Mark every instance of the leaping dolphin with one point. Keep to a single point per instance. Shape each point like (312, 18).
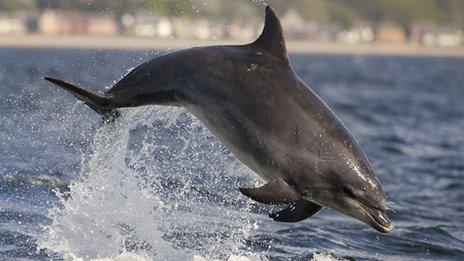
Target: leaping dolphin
(250, 98)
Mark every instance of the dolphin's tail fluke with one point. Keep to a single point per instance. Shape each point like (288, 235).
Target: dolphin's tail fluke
(100, 103)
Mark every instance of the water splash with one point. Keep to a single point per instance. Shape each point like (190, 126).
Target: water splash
(157, 184)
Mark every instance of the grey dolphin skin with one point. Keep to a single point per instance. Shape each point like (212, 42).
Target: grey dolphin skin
(250, 98)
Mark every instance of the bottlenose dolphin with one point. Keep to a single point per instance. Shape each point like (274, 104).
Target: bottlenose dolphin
(250, 98)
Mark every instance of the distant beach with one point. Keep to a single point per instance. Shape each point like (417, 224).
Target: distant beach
(298, 47)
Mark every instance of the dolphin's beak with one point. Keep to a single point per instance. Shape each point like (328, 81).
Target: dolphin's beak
(374, 217)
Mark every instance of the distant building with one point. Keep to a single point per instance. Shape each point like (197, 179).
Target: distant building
(28, 19)
(218, 31)
(100, 25)
(12, 26)
(49, 22)
(431, 35)
(72, 23)
(449, 37)
(145, 24)
(182, 28)
(127, 22)
(417, 30)
(148, 24)
(390, 33)
(202, 29)
(165, 28)
(355, 35)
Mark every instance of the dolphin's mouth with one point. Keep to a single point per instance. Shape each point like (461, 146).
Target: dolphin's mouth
(378, 219)
(373, 216)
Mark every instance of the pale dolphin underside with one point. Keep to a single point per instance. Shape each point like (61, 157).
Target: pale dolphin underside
(250, 98)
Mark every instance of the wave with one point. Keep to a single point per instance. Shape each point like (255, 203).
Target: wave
(157, 185)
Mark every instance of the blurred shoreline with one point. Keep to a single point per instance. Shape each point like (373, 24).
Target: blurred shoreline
(296, 47)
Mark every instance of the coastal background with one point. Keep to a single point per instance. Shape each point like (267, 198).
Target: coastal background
(411, 27)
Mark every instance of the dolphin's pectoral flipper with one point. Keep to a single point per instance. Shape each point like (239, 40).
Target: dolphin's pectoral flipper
(100, 103)
(298, 211)
(275, 192)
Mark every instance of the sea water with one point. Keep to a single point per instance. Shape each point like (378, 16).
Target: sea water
(156, 184)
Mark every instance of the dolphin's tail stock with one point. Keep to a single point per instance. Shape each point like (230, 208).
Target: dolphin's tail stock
(100, 103)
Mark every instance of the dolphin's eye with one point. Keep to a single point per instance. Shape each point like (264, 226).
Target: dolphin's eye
(349, 192)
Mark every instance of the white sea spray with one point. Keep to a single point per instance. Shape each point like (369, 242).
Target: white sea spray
(158, 185)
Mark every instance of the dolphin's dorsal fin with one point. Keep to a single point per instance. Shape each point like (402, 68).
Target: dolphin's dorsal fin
(272, 39)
